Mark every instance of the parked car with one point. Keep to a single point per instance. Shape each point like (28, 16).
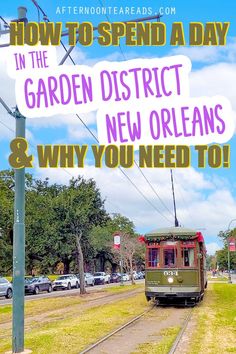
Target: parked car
(89, 279)
(115, 278)
(5, 288)
(66, 281)
(125, 277)
(101, 278)
(140, 275)
(135, 275)
(33, 285)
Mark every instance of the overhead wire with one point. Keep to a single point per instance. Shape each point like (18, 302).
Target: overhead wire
(46, 19)
(137, 165)
(6, 25)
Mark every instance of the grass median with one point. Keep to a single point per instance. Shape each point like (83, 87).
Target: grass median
(73, 328)
(163, 345)
(215, 330)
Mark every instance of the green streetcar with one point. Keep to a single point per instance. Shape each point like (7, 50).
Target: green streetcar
(175, 266)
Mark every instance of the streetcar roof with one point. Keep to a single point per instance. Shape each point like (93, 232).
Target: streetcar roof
(172, 231)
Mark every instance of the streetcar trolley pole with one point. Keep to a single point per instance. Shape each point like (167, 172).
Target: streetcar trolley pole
(229, 275)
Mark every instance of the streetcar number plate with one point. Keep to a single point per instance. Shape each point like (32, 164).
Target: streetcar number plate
(171, 272)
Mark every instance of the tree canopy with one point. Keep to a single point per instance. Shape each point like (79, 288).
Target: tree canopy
(67, 227)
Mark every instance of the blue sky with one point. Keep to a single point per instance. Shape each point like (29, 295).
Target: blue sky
(206, 198)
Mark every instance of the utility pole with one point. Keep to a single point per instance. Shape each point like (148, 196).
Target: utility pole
(121, 259)
(19, 249)
(18, 244)
(18, 233)
(19, 238)
(229, 275)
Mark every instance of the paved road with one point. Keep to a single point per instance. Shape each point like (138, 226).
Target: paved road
(60, 293)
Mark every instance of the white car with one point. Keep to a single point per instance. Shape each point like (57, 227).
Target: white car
(101, 278)
(5, 288)
(66, 282)
(125, 277)
(89, 279)
(135, 275)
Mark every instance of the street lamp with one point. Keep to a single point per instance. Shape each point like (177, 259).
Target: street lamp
(229, 275)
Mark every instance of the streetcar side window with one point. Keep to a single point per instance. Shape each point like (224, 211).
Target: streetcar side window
(154, 257)
(188, 257)
(170, 257)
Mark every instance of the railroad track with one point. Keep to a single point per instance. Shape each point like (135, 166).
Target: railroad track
(93, 346)
(181, 333)
(135, 319)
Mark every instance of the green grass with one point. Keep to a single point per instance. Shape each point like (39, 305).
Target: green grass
(123, 288)
(41, 306)
(5, 310)
(216, 321)
(163, 345)
(74, 331)
(218, 279)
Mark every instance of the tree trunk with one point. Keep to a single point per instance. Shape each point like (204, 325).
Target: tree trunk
(113, 267)
(80, 259)
(102, 263)
(131, 269)
(66, 263)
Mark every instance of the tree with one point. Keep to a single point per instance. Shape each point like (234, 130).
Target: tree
(81, 208)
(7, 185)
(42, 241)
(222, 255)
(222, 259)
(211, 262)
(130, 246)
(100, 240)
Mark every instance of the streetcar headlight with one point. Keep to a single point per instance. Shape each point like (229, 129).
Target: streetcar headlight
(170, 280)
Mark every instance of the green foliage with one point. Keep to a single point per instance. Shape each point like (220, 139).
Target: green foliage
(101, 240)
(222, 259)
(55, 215)
(222, 255)
(6, 220)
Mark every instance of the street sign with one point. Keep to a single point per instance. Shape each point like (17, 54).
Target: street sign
(117, 241)
(232, 244)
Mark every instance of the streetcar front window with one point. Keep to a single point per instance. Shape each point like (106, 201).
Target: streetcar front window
(170, 255)
(154, 257)
(188, 257)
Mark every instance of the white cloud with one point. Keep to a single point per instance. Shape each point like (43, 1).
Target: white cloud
(212, 248)
(210, 54)
(80, 133)
(201, 204)
(203, 201)
(216, 79)
(7, 124)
